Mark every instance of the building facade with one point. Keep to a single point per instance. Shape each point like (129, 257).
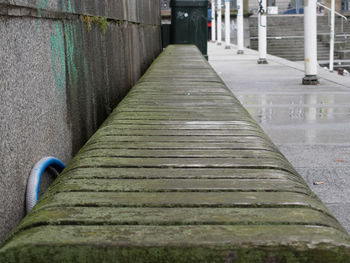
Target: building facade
(282, 6)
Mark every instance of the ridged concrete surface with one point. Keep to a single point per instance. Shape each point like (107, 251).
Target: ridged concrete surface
(179, 172)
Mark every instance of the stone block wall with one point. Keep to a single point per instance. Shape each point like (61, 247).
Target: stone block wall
(64, 65)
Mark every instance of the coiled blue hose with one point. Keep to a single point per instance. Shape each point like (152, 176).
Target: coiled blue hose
(32, 194)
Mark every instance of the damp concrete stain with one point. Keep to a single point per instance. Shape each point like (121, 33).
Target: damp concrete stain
(58, 58)
(75, 54)
(70, 32)
(74, 50)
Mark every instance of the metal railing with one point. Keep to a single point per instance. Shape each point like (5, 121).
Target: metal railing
(338, 14)
(326, 7)
(332, 31)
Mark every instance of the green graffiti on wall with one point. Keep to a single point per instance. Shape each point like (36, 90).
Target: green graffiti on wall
(70, 31)
(76, 61)
(58, 58)
(67, 7)
(41, 6)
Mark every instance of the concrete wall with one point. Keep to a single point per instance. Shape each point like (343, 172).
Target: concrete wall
(62, 71)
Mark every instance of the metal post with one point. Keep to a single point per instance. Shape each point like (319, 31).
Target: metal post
(262, 32)
(219, 23)
(331, 37)
(227, 24)
(310, 44)
(240, 28)
(213, 20)
(297, 7)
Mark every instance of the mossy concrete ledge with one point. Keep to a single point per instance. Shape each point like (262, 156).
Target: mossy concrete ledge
(179, 172)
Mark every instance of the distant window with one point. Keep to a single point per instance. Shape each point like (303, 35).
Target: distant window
(345, 4)
(233, 4)
(271, 2)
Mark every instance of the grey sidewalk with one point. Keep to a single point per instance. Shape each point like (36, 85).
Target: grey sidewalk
(310, 124)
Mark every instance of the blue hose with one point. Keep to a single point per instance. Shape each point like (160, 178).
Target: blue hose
(32, 195)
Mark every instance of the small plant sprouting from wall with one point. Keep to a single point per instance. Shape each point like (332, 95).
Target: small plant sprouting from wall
(101, 22)
(87, 20)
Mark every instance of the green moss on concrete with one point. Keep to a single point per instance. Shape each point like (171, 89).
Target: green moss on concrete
(174, 244)
(171, 255)
(181, 199)
(175, 216)
(87, 20)
(101, 22)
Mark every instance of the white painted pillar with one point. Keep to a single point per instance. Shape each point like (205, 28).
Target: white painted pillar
(262, 33)
(310, 43)
(213, 20)
(331, 37)
(227, 24)
(297, 6)
(240, 27)
(219, 23)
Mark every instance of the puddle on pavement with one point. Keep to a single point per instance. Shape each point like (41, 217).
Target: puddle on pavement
(296, 108)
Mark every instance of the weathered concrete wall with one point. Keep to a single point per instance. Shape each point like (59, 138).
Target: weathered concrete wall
(64, 65)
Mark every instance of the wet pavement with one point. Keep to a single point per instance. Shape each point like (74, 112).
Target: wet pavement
(309, 124)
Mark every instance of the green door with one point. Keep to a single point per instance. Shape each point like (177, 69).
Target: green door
(190, 23)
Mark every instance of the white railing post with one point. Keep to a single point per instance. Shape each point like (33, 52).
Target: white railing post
(332, 31)
(310, 43)
(331, 37)
(213, 20)
(219, 23)
(227, 24)
(240, 27)
(262, 32)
